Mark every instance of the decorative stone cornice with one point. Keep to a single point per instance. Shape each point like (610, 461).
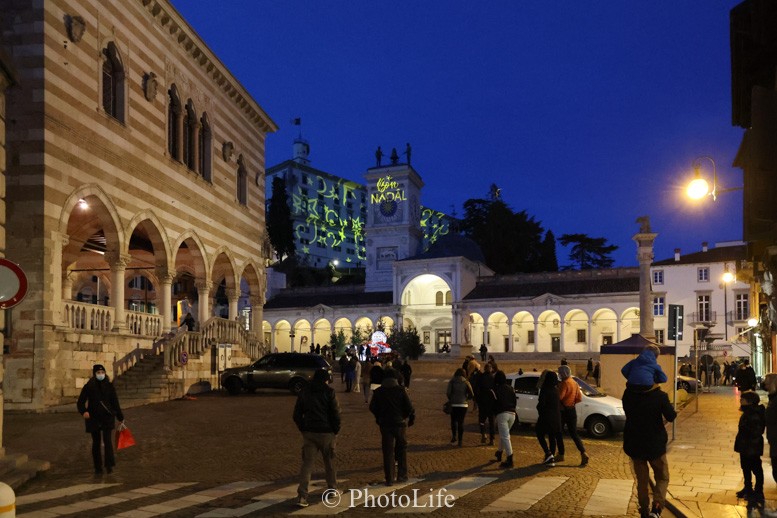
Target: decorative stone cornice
(168, 18)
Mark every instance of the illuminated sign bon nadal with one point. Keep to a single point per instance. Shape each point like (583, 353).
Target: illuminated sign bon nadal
(388, 190)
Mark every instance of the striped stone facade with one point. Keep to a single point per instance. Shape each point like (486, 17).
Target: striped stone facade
(132, 151)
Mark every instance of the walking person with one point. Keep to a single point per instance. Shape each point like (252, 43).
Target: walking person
(406, 370)
(597, 374)
(745, 377)
(459, 392)
(317, 416)
(569, 394)
(393, 412)
(589, 368)
(505, 417)
(483, 352)
(749, 444)
(485, 398)
(644, 441)
(350, 373)
(726, 373)
(99, 406)
(716, 372)
(549, 416)
(365, 380)
(343, 366)
(357, 374)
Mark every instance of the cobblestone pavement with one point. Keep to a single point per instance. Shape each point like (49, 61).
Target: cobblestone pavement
(240, 456)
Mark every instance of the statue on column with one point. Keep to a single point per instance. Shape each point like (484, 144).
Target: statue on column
(407, 152)
(644, 224)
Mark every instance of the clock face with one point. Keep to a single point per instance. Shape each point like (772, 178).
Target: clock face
(388, 211)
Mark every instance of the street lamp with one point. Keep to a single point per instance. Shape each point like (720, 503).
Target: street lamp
(699, 187)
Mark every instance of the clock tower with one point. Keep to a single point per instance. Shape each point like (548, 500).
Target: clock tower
(393, 229)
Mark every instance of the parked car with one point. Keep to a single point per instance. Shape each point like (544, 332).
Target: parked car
(688, 384)
(600, 415)
(290, 371)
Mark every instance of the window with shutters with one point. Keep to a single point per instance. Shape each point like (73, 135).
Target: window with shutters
(113, 83)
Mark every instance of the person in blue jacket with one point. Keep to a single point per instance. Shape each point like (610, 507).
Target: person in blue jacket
(644, 370)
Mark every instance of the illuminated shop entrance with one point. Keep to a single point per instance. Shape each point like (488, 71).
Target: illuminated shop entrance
(426, 304)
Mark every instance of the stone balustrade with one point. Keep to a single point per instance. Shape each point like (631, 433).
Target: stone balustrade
(90, 317)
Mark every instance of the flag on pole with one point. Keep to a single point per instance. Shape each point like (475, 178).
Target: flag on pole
(296, 122)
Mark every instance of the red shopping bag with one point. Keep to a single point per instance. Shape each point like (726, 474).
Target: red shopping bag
(124, 437)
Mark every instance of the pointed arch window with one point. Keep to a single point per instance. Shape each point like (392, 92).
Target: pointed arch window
(190, 136)
(242, 181)
(174, 123)
(113, 82)
(205, 147)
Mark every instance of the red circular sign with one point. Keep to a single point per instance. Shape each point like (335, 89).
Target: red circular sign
(184, 358)
(13, 284)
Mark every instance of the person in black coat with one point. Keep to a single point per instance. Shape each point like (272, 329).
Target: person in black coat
(99, 406)
(745, 377)
(549, 415)
(406, 370)
(644, 440)
(393, 412)
(485, 397)
(749, 444)
(771, 419)
(317, 416)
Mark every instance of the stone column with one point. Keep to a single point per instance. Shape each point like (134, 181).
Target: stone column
(562, 340)
(485, 336)
(511, 348)
(233, 296)
(118, 263)
(59, 242)
(536, 335)
(257, 316)
(67, 285)
(166, 277)
(203, 293)
(589, 335)
(617, 329)
(644, 240)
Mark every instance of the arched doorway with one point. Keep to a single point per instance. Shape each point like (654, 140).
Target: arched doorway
(427, 305)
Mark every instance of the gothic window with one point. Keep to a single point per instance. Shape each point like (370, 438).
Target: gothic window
(205, 147)
(113, 83)
(190, 136)
(242, 181)
(174, 114)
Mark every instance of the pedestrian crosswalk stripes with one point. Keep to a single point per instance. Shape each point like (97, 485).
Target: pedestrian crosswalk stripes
(103, 501)
(353, 498)
(59, 493)
(197, 498)
(458, 489)
(611, 497)
(526, 496)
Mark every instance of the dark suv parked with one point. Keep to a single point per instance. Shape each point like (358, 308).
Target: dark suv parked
(279, 370)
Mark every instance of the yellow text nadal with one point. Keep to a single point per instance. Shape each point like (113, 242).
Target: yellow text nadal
(388, 190)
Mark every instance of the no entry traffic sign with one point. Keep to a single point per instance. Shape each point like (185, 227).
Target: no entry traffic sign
(13, 284)
(184, 358)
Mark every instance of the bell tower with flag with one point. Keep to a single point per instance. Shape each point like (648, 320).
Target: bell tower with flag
(393, 227)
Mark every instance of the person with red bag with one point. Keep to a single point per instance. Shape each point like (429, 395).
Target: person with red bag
(99, 406)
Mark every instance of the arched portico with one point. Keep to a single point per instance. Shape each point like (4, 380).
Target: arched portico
(427, 306)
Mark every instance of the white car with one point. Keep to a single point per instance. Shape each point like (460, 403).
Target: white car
(600, 415)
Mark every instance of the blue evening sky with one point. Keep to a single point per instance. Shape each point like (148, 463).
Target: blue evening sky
(587, 114)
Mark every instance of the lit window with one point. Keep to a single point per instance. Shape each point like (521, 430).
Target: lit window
(658, 306)
(742, 306)
(703, 302)
(659, 336)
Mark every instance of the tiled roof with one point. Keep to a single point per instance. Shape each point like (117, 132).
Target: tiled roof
(712, 255)
(504, 289)
(329, 298)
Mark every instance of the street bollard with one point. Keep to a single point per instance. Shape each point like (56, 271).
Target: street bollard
(7, 501)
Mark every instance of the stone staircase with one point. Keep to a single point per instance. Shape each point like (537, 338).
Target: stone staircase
(146, 382)
(17, 468)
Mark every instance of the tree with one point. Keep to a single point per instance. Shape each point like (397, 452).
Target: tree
(588, 252)
(280, 227)
(548, 253)
(511, 242)
(337, 342)
(358, 337)
(406, 342)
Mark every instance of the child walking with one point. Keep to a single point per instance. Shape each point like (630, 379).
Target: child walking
(750, 445)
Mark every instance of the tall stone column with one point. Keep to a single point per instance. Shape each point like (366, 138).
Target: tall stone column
(203, 305)
(166, 277)
(233, 296)
(536, 335)
(510, 348)
(118, 263)
(644, 240)
(67, 285)
(588, 336)
(562, 339)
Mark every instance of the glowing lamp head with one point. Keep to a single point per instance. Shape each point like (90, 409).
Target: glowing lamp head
(698, 188)
(335, 262)
(728, 277)
(752, 322)
(82, 204)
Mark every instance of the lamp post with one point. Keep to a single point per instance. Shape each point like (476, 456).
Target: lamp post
(699, 187)
(727, 277)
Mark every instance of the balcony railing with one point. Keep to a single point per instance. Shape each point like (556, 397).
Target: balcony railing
(90, 317)
(144, 324)
(704, 317)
